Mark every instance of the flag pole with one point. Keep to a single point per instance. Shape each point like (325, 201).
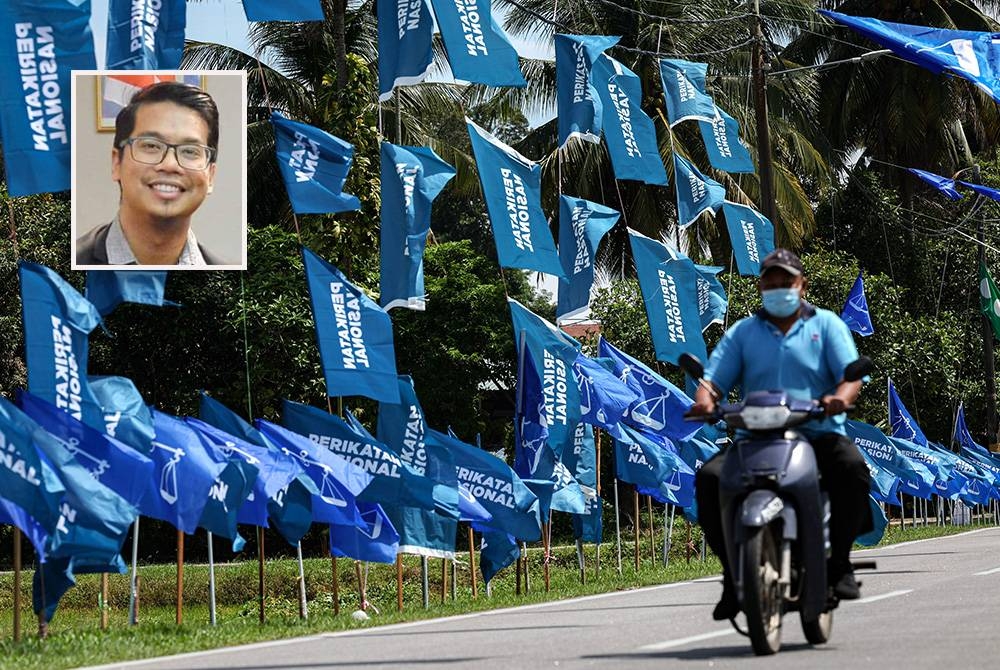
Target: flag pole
(638, 529)
(335, 569)
(399, 582)
(362, 585)
(104, 601)
(17, 584)
(444, 580)
(618, 529)
(580, 563)
(652, 542)
(597, 547)
(260, 574)
(211, 581)
(546, 542)
(668, 535)
(472, 562)
(517, 572)
(303, 605)
(423, 581)
(133, 589)
(180, 576)
(527, 576)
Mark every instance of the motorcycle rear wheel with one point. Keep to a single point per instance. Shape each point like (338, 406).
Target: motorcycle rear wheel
(819, 630)
(762, 599)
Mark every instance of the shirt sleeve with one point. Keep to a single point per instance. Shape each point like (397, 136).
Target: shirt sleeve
(725, 365)
(839, 349)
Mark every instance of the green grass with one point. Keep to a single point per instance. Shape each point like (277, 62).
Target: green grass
(75, 638)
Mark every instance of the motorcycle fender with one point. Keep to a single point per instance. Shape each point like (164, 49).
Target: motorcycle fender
(760, 508)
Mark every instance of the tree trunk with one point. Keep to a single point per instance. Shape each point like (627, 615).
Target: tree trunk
(340, 41)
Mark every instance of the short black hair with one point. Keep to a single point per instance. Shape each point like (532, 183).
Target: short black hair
(178, 93)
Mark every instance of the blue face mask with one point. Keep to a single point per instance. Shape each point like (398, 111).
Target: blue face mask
(781, 302)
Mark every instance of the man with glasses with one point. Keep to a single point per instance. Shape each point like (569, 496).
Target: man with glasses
(164, 158)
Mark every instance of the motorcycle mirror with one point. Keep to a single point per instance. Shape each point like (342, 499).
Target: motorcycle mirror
(691, 365)
(859, 369)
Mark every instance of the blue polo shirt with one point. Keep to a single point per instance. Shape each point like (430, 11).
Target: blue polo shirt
(807, 362)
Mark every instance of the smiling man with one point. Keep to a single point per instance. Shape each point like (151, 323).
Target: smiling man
(164, 160)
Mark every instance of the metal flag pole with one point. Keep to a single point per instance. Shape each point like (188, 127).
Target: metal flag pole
(668, 541)
(579, 562)
(423, 581)
(444, 580)
(133, 585)
(652, 529)
(618, 529)
(104, 600)
(635, 508)
(211, 581)
(17, 584)
(260, 574)
(454, 580)
(303, 605)
(527, 576)
(180, 577)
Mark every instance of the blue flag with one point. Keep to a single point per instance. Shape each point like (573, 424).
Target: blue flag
(404, 44)
(661, 405)
(964, 437)
(901, 424)
(314, 165)
(512, 188)
(495, 485)
(531, 431)
(377, 542)
(285, 10)
(41, 42)
(604, 399)
(339, 482)
(145, 34)
(13, 515)
(577, 98)
(587, 527)
(649, 462)
(354, 334)
(478, 49)
(696, 193)
(25, 479)
(424, 533)
(915, 478)
(126, 415)
(712, 299)
(985, 191)
(393, 481)
(106, 289)
(57, 320)
(874, 536)
(939, 183)
(411, 178)
(684, 91)
(582, 225)
(670, 294)
(751, 235)
(497, 551)
(855, 313)
(885, 483)
(723, 145)
(628, 132)
(971, 55)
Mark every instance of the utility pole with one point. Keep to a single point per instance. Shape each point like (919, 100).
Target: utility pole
(764, 157)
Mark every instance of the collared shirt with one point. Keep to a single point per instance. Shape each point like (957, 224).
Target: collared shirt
(807, 362)
(120, 253)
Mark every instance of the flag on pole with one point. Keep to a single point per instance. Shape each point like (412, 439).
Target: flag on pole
(855, 313)
(915, 478)
(582, 225)
(696, 193)
(478, 49)
(145, 34)
(354, 334)
(628, 131)
(939, 183)
(126, 415)
(512, 188)
(314, 165)
(497, 551)
(41, 43)
(411, 178)
(989, 299)
(106, 289)
(901, 424)
(644, 459)
(285, 10)
(531, 451)
(25, 479)
(684, 91)
(577, 98)
(377, 542)
(723, 145)
(404, 44)
(964, 437)
(604, 399)
(751, 235)
(712, 299)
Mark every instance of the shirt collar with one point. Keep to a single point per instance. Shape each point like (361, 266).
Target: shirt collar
(120, 253)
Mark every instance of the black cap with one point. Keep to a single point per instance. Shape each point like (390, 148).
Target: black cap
(784, 259)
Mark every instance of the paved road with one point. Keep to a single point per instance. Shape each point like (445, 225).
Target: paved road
(931, 604)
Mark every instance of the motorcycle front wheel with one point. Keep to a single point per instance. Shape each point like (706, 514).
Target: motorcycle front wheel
(819, 630)
(762, 601)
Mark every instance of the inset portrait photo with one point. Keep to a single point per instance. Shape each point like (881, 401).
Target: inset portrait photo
(159, 170)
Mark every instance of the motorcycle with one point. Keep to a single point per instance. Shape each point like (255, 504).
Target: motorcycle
(775, 515)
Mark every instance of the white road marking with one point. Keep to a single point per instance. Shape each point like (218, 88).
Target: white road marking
(987, 572)
(669, 644)
(881, 596)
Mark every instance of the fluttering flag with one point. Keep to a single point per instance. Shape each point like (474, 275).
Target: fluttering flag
(712, 299)
(723, 145)
(41, 42)
(582, 225)
(314, 165)
(126, 415)
(145, 34)
(26, 480)
(531, 430)
(661, 405)
(377, 542)
(577, 98)
(968, 54)
(901, 424)
(411, 178)
(628, 131)
(404, 44)
(670, 294)
(885, 483)
(644, 459)
(915, 478)
(855, 313)
(751, 235)
(985, 191)
(106, 289)
(13, 515)
(478, 49)
(498, 550)
(989, 299)
(696, 193)
(874, 536)
(964, 437)
(285, 10)
(939, 183)
(353, 332)
(587, 527)
(512, 187)
(604, 399)
(684, 91)
(393, 482)
(57, 320)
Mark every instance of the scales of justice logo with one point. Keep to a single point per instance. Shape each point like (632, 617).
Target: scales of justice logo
(330, 490)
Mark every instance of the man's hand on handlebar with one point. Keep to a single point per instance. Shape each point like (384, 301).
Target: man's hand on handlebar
(704, 402)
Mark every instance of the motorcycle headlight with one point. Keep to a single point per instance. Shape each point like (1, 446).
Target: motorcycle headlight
(765, 418)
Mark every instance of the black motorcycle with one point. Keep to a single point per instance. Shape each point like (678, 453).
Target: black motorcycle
(775, 515)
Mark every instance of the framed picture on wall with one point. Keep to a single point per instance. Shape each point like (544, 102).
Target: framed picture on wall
(116, 88)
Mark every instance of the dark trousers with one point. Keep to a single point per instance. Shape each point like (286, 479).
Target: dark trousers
(845, 478)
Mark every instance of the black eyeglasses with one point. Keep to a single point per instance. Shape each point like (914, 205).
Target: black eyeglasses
(151, 151)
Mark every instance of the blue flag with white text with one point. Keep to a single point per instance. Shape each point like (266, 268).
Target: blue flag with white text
(354, 334)
(478, 49)
(405, 49)
(645, 460)
(411, 178)
(41, 42)
(712, 299)
(604, 399)
(314, 165)
(126, 415)
(577, 99)
(512, 188)
(582, 225)
(751, 235)
(941, 184)
(855, 313)
(901, 424)
(628, 131)
(696, 193)
(723, 145)
(915, 478)
(684, 90)
(145, 34)
(25, 479)
(285, 10)
(107, 289)
(531, 431)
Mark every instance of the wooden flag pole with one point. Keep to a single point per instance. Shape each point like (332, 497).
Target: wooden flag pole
(335, 569)
(260, 575)
(17, 584)
(180, 577)
(638, 529)
(361, 586)
(423, 582)
(472, 565)
(399, 582)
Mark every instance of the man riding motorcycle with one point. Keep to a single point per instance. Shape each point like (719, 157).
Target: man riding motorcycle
(789, 344)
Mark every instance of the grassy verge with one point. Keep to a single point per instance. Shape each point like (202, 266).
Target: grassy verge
(75, 638)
